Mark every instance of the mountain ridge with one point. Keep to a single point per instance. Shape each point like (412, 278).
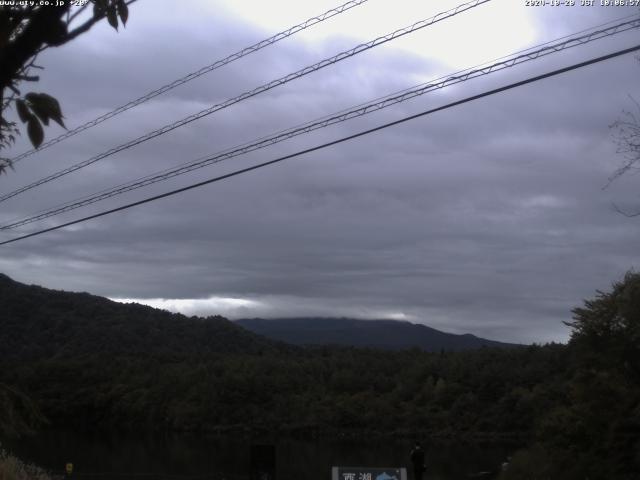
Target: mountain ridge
(383, 333)
(38, 322)
(41, 323)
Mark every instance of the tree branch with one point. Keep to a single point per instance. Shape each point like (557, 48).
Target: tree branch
(83, 28)
(88, 24)
(27, 44)
(76, 13)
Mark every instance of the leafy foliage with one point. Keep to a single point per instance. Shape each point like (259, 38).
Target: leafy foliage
(18, 414)
(91, 363)
(593, 429)
(611, 322)
(26, 29)
(87, 360)
(39, 324)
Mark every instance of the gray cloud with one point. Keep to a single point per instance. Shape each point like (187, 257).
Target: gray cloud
(488, 218)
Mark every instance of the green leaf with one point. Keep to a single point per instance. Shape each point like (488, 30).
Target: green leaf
(35, 131)
(37, 106)
(123, 11)
(112, 17)
(45, 107)
(41, 115)
(23, 110)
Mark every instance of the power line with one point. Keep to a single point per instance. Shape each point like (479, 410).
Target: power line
(193, 75)
(330, 120)
(263, 88)
(334, 142)
(345, 115)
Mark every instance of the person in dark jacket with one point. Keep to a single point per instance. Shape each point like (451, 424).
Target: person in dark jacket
(417, 459)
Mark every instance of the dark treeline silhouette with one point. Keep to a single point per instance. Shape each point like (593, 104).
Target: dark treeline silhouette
(89, 363)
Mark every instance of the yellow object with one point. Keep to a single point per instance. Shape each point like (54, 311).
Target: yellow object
(69, 468)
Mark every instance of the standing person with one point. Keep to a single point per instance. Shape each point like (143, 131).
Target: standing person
(417, 459)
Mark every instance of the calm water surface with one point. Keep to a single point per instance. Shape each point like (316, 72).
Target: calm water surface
(176, 457)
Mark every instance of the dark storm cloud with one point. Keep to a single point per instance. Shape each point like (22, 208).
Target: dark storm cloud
(487, 218)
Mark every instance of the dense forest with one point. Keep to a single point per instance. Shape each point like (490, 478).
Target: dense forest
(80, 360)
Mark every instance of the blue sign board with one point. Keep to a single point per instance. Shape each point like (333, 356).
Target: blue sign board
(367, 473)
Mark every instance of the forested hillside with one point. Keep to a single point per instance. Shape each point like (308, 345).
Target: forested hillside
(576, 406)
(18, 413)
(39, 323)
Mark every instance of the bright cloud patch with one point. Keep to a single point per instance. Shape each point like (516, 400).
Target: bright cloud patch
(543, 201)
(269, 307)
(198, 306)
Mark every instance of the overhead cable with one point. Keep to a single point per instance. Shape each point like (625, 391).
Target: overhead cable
(193, 75)
(345, 115)
(334, 142)
(268, 86)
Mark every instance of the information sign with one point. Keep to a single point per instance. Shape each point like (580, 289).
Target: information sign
(368, 473)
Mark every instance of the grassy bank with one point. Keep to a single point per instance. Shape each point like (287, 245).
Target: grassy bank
(12, 468)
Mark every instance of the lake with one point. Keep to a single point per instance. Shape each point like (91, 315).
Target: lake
(180, 456)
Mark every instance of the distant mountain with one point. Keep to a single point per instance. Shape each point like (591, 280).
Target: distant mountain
(385, 334)
(82, 362)
(38, 323)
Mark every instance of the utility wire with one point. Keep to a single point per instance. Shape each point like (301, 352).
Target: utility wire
(268, 86)
(345, 115)
(193, 75)
(133, 184)
(326, 121)
(334, 142)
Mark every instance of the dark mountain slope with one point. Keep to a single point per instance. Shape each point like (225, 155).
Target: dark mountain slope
(386, 334)
(18, 414)
(38, 323)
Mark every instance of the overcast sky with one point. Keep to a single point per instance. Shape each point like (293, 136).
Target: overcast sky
(488, 218)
